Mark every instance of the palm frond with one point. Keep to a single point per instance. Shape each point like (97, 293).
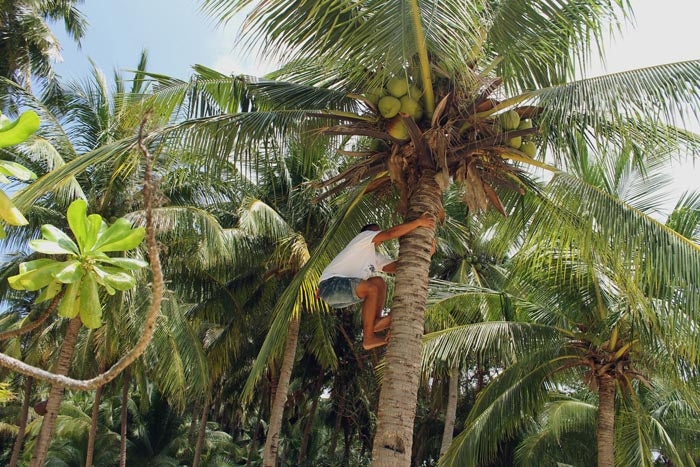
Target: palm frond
(520, 389)
(543, 42)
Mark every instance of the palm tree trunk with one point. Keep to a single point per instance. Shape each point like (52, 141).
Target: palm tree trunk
(254, 438)
(93, 426)
(124, 416)
(451, 412)
(277, 411)
(193, 423)
(606, 422)
(17, 448)
(398, 397)
(310, 421)
(202, 431)
(56, 394)
(336, 429)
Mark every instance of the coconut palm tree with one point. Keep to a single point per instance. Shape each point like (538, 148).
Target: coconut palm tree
(585, 317)
(479, 68)
(351, 49)
(27, 45)
(658, 424)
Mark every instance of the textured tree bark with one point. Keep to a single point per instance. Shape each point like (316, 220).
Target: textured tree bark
(56, 394)
(606, 422)
(202, 430)
(310, 421)
(451, 412)
(124, 416)
(93, 427)
(398, 397)
(17, 448)
(277, 411)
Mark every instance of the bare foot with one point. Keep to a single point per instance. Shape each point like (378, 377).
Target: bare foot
(373, 342)
(382, 323)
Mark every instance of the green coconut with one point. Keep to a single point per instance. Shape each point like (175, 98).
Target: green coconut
(525, 124)
(509, 120)
(411, 107)
(415, 92)
(374, 94)
(397, 87)
(397, 129)
(515, 142)
(389, 106)
(529, 148)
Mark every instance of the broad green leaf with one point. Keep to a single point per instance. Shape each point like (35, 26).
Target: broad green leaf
(90, 307)
(4, 179)
(16, 170)
(115, 232)
(55, 234)
(35, 264)
(9, 212)
(120, 281)
(131, 264)
(19, 130)
(2, 232)
(67, 307)
(77, 220)
(48, 247)
(71, 273)
(35, 278)
(94, 228)
(49, 292)
(125, 242)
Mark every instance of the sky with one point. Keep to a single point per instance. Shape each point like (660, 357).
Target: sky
(177, 35)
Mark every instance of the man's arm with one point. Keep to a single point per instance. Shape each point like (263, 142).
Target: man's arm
(402, 229)
(391, 267)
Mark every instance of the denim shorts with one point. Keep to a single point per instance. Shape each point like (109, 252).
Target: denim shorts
(339, 292)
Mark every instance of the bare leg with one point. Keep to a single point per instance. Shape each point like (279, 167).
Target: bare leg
(380, 323)
(369, 290)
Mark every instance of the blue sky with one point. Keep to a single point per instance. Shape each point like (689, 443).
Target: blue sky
(174, 32)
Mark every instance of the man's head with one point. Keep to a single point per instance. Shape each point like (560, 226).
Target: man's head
(372, 227)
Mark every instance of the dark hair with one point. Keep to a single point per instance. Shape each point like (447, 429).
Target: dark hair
(370, 227)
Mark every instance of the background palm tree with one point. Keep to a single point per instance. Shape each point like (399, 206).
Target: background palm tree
(27, 45)
(610, 322)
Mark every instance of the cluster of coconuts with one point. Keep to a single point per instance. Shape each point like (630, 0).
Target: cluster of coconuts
(397, 97)
(511, 121)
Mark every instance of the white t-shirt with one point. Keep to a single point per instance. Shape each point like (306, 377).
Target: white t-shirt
(358, 259)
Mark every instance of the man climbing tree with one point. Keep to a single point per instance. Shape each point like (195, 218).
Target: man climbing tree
(350, 277)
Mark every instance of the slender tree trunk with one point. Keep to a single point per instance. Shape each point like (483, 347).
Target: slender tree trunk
(277, 411)
(451, 412)
(346, 445)
(398, 397)
(336, 429)
(254, 440)
(124, 416)
(93, 426)
(310, 421)
(202, 430)
(56, 394)
(193, 423)
(606, 422)
(17, 448)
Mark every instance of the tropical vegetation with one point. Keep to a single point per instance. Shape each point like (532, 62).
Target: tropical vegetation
(555, 325)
